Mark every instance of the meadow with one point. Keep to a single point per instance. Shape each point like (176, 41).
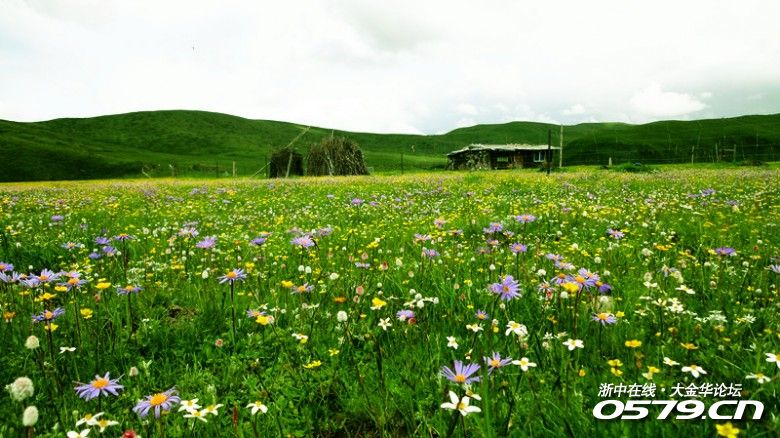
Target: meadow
(458, 304)
(204, 144)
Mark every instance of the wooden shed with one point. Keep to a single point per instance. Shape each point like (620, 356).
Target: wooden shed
(500, 156)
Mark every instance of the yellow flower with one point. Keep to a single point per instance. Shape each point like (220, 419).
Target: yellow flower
(333, 351)
(47, 296)
(582, 372)
(263, 319)
(688, 346)
(633, 343)
(620, 314)
(8, 316)
(571, 287)
(314, 364)
(728, 430)
(86, 313)
(59, 289)
(615, 363)
(103, 285)
(51, 327)
(287, 284)
(616, 372)
(377, 303)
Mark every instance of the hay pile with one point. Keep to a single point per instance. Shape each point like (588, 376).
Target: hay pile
(286, 162)
(335, 156)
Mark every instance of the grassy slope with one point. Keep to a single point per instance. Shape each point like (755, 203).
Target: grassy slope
(205, 144)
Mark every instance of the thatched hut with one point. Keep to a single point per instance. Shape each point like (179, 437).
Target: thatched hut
(286, 162)
(335, 156)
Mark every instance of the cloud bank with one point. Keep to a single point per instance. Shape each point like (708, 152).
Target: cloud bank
(391, 66)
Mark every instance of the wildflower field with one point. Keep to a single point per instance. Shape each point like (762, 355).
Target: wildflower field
(479, 304)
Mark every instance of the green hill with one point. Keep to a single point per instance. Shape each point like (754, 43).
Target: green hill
(197, 143)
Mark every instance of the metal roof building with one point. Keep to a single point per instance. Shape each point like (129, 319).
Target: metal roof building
(500, 156)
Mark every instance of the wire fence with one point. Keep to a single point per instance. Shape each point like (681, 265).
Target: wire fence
(595, 157)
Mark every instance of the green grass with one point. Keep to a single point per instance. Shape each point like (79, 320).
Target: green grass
(205, 144)
(351, 377)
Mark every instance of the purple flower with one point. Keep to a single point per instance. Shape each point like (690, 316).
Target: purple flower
(207, 243)
(188, 232)
(72, 245)
(13, 278)
(123, 237)
(481, 315)
(725, 251)
(257, 241)
(46, 276)
(232, 276)
(586, 278)
(304, 241)
(617, 234)
(57, 218)
(707, 192)
(461, 374)
(421, 238)
(109, 251)
(430, 253)
(101, 386)
(525, 218)
(774, 268)
(162, 401)
(94, 256)
(101, 240)
(5, 267)
(604, 318)
(518, 248)
(554, 257)
(48, 315)
(496, 361)
(74, 280)
(356, 201)
(324, 231)
(564, 266)
(508, 288)
(252, 313)
(129, 289)
(405, 315)
(305, 287)
(494, 227)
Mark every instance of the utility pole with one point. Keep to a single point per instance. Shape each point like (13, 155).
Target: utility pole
(549, 151)
(560, 149)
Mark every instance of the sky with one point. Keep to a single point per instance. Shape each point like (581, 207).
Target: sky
(392, 66)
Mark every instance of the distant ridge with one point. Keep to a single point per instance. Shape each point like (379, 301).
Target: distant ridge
(198, 143)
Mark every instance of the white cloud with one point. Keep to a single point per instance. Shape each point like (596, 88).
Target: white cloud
(653, 101)
(574, 110)
(389, 66)
(467, 108)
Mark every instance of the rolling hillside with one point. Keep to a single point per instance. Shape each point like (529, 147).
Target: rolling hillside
(196, 143)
